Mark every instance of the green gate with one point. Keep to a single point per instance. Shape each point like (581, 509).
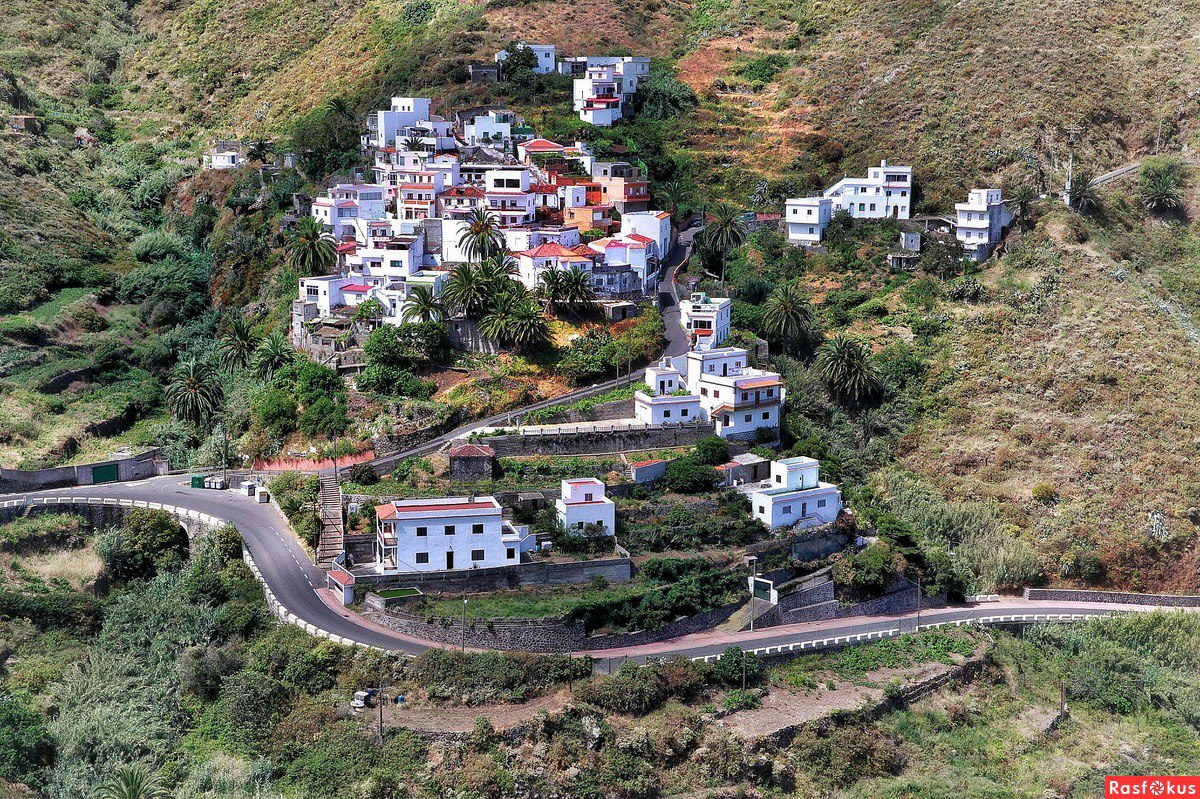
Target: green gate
(105, 473)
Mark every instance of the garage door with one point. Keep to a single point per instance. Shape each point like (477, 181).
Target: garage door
(106, 473)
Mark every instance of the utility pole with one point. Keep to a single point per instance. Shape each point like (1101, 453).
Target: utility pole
(1074, 133)
(918, 629)
(753, 577)
(743, 669)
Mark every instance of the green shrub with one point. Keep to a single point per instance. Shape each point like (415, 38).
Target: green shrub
(1045, 493)
(26, 746)
(150, 540)
(737, 699)
(711, 451)
(733, 664)
(689, 476)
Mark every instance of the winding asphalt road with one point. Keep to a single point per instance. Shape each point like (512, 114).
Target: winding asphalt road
(298, 586)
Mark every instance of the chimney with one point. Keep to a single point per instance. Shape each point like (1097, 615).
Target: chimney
(883, 163)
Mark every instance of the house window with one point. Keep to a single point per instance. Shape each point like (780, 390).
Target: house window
(786, 510)
(477, 554)
(704, 392)
(422, 531)
(588, 497)
(862, 206)
(449, 529)
(748, 417)
(510, 553)
(872, 206)
(821, 503)
(761, 509)
(745, 396)
(683, 411)
(778, 478)
(666, 414)
(312, 291)
(477, 529)
(422, 557)
(767, 416)
(726, 422)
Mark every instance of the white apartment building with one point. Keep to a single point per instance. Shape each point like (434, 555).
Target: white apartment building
(509, 196)
(807, 218)
(706, 319)
(655, 225)
(549, 256)
(740, 399)
(982, 220)
(546, 56)
(492, 128)
(667, 401)
(529, 237)
(794, 496)
(347, 205)
(885, 192)
(596, 96)
(583, 505)
(452, 533)
(383, 127)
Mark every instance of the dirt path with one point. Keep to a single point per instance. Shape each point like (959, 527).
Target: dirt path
(434, 718)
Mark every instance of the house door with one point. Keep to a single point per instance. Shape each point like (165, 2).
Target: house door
(895, 212)
(803, 509)
(449, 560)
(724, 369)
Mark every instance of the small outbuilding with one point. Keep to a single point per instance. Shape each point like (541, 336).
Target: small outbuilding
(472, 463)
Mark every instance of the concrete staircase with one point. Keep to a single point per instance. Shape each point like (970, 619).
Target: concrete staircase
(333, 525)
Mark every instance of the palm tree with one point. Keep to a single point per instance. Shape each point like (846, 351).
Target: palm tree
(725, 231)
(1019, 199)
(413, 144)
(237, 343)
(1084, 193)
(846, 368)
(497, 269)
(466, 292)
(273, 352)
(1160, 193)
(577, 289)
(422, 306)
(259, 150)
(309, 250)
(672, 196)
(514, 319)
(482, 237)
(133, 782)
(338, 107)
(786, 314)
(194, 393)
(550, 289)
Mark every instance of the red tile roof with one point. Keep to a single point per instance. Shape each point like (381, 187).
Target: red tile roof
(463, 191)
(356, 288)
(641, 238)
(760, 382)
(347, 247)
(552, 249)
(472, 451)
(541, 146)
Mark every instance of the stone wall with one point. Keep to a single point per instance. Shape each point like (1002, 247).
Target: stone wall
(136, 467)
(539, 572)
(604, 411)
(533, 635)
(102, 514)
(804, 546)
(593, 442)
(904, 601)
(1116, 597)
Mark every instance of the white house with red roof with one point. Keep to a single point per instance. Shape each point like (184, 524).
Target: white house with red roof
(706, 319)
(528, 237)
(446, 534)
(547, 257)
(459, 201)
(528, 149)
(583, 508)
(635, 251)
(394, 168)
(596, 97)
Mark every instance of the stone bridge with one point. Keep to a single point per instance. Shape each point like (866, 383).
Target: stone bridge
(101, 513)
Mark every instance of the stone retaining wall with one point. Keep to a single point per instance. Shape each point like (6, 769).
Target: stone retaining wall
(904, 601)
(538, 572)
(590, 442)
(534, 635)
(1116, 597)
(603, 411)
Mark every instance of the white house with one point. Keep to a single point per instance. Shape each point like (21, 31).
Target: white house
(740, 399)
(794, 496)
(634, 251)
(509, 196)
(807, 218)
(667, 400)
(706, 319)
(546, 56)
(982, 220)
(347, 204)
(654, 225)
(596, 98)
(546, 257)
(583, 504)
(493, 127)
(427, 535)
(384, 126)
(223, 156)
(885, 192)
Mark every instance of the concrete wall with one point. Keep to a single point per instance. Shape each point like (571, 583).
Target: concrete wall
(136, 467)
(1071, 595)
(590, 442)
(533, 635)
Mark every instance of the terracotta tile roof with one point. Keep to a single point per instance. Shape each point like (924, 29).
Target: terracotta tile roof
(541, 146)
(463, 191)
(551, 249)
(472, 451)
(347, 247)
(760, 382)
(639, 237)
